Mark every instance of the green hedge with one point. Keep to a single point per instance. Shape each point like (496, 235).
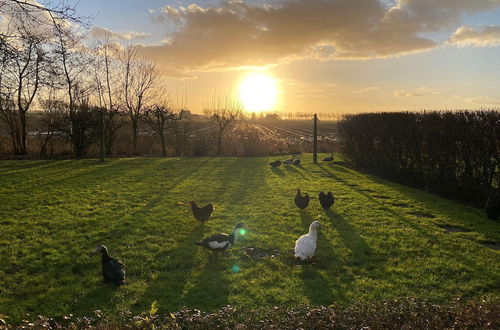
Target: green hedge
(452, 153)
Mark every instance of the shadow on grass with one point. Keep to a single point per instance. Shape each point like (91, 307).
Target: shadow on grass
(292, 169)
(317, 287)
(98, 298)
(306, 219)
(277, 171)
(21, 166)
(304, 168)
(211, 287)
(321, 285)
(361, 254)
(425, 229)
(168, 286)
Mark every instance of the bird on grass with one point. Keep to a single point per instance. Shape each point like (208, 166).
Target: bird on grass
(301, 201)
(221, 242)
(113, 270)
(202, 214)
(326, 200)
(305, 246)
(275, 163)
(296, 161)
(328, 159)
(289, 161)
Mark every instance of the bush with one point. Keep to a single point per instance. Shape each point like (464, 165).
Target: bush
(455, 154)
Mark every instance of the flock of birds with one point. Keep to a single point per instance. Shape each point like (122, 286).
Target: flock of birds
(113, 269)
(295, 160)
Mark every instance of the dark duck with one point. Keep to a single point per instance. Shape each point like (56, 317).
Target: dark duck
(113, 270)
(276, 163)
(328, 159)
(221, 242)
(301, 201)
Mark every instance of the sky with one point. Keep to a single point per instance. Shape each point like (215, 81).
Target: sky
(335, 56)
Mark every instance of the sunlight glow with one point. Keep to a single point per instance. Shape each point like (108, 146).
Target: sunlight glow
(258, 92)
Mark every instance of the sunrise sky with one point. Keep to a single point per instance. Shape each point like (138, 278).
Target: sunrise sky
(323, 56)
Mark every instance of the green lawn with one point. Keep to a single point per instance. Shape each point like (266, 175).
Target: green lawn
(380, 240)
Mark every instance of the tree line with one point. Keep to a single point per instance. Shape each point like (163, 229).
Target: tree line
(453, 153)
(88, 85)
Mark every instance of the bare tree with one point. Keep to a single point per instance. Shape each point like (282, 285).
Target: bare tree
(181, 130)
(139, 86)
(39, 15)
(223, 111)
(51, 119)
(81, 118)
(106, 80)
(28, 70)
(22, 66)
(160, 119)
(8, 113)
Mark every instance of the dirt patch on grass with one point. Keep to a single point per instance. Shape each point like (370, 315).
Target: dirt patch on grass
(422, 214)
(259, 253)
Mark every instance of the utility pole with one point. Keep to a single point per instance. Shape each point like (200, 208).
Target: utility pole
(315, 139)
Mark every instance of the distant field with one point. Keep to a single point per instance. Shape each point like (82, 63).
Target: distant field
(380, 240)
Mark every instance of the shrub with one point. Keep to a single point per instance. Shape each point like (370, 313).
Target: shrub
(455, 154)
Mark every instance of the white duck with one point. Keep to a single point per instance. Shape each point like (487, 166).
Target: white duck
(305, 246)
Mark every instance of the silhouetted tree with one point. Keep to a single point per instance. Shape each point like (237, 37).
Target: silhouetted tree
(223, 112)
(139, 86)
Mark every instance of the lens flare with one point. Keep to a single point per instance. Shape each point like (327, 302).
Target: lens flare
(236, 269)
(243, 231)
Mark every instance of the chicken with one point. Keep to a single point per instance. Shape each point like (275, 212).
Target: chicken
(301, 201)
(305, 246)
(326, 200)
(202, 214)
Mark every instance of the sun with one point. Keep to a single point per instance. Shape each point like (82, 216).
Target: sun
(258, 92)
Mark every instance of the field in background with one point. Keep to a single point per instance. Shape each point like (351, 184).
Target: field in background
(245, 138)
(380, 240)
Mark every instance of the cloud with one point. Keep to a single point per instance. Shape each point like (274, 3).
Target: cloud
(483, 100)
(16, 19)
(366, 90)
(236, 33)
(420, 91)
(99, 32)
(485, 36)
